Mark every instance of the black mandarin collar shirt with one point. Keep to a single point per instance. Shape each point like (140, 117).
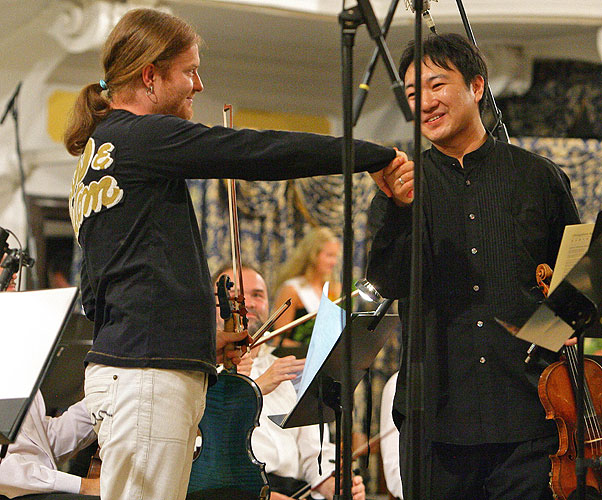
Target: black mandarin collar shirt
(488, 225)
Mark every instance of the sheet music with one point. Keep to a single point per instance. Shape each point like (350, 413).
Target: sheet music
(330, 322)
(545, 329)
(31, 324)
(574, 244)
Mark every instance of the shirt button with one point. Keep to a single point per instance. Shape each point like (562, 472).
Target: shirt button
(467, 182)
(473, 250)
(482, 360)
(480, 324)
(471, 216)
(476, 288)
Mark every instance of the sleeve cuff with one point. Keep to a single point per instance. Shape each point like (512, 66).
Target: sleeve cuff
(67, 483)
(399, 217)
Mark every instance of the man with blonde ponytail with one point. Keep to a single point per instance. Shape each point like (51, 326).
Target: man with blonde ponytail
(145, 281)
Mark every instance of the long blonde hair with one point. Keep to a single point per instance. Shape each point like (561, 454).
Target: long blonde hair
(141, 37)
(305, 255)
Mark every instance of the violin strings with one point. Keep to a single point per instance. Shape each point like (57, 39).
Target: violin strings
(591, 419)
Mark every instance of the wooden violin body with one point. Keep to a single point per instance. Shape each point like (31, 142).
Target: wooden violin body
(558, 398)
(557, 387)
(95, 465)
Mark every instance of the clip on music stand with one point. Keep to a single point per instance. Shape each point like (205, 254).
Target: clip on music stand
(32, 326)
(321, 400)
(573, 308)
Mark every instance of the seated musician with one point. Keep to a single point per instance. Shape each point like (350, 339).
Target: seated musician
(30, 468)
(389, 439)
(290, 455)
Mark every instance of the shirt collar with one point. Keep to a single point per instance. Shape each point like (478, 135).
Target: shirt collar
(476, 155)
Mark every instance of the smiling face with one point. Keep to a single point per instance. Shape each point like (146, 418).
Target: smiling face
(450, 115)
(175, 88)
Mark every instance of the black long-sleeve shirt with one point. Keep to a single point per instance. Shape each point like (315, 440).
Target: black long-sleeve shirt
(145, 280)
(488, 226)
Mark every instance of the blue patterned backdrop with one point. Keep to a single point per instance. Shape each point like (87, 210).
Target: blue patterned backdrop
(565, 100)
(274, 216)
(582, 161)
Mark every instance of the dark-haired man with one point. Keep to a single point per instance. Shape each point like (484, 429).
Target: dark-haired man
(493, 212)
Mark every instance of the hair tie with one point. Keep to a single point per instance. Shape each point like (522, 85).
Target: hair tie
(103, 85)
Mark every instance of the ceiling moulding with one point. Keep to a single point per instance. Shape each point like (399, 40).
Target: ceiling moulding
(320, 7)
(79, 28)
(554, 11)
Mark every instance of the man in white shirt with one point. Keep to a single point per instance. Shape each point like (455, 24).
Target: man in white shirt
(389, 439)
(290, 455)
(30, 468)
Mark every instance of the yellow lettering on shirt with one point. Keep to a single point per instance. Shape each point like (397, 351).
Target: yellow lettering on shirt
(84, 199)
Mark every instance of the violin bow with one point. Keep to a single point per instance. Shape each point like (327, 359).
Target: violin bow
(304, 492)
(239, 294)
(294, 323)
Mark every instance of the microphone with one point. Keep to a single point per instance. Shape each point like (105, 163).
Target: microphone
(426, 15)
(3, 244)
(11, 103)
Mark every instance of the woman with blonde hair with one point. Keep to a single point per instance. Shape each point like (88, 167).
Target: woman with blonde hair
(302, 278)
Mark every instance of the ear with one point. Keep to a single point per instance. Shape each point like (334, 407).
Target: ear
(148, 75)
(478, 87)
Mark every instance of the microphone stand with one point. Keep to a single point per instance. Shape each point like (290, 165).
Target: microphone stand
(499, 128)
(414, 475)
(13, 109)
(350, 19)
(364, 87)
(378, 35)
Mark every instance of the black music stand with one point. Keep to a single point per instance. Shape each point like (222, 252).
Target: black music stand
(64, 381)
(32, 326)
(573, 308)
(320, 402)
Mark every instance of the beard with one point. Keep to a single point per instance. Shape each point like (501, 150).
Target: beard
(254, 324)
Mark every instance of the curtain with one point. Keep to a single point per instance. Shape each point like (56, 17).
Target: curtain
(274, 216)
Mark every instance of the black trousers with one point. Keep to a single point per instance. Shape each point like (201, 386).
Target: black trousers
(508, 471)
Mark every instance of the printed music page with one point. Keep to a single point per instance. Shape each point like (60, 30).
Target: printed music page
(330, 322)
(575, 242)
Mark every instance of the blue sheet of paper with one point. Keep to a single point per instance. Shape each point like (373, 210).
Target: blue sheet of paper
(330, 322)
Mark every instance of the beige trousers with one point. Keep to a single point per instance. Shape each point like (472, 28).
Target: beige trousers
(146, 421)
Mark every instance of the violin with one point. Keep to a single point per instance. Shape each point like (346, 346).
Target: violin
(226, 466)
(95, 465)
(557, 388)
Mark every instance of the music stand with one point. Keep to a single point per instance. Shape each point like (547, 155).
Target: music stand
(320, 402)
(573, 308)
(32, 326)
(64, 381)
(366, 345)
